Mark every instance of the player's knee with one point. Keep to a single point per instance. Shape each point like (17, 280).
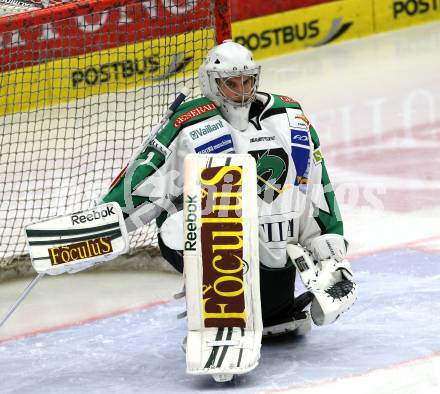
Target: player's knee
(174, 257)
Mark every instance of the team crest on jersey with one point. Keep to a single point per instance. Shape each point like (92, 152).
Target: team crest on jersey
(272, 167)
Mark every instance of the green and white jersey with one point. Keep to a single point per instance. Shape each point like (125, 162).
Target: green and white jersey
(295, 197)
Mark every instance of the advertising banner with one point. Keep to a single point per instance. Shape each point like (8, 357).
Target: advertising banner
(306, 28)
(117, 49)
(109, 70)
(251, 9)
(396, 14)
(117, 25)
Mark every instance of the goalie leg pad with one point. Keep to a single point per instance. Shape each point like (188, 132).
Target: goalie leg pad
(221, 265)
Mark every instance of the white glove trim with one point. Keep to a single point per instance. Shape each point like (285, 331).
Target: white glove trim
(329, 246)
(330, 281)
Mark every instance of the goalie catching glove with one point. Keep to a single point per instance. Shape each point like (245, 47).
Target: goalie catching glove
(328, 277)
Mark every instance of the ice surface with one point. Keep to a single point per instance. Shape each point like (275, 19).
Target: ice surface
(395, 319)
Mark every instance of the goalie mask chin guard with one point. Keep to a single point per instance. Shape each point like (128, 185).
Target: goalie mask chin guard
(229, 77)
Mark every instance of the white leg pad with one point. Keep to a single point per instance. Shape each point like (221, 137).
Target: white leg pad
(221, 265)
(222, 351)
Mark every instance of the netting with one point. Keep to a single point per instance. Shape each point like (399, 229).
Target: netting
(11, 7)
(81, 85)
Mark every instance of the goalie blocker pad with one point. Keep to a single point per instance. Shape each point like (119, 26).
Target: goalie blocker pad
(78, 241)
(221, 265)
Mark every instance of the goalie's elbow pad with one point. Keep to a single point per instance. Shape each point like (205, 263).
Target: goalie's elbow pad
(330, 281)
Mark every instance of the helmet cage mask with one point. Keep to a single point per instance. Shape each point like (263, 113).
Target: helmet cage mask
(225, 93)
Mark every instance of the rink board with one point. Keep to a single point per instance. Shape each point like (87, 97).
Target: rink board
(332, 22)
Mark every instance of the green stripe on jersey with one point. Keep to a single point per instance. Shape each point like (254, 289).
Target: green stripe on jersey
(280, 103)
(155, 158)
(170, 131)
(329, 222)
(315, 138)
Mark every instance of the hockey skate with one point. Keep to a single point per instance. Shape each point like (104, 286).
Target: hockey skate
(300, 322)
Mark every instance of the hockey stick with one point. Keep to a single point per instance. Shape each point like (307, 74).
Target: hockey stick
(71, 243)
(22, 297)
(170, 111)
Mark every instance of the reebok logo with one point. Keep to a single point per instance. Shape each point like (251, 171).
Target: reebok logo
(94, 215)
(191, 223)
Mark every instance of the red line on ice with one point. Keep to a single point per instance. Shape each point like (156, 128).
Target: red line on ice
(118, 312)
(84, 321)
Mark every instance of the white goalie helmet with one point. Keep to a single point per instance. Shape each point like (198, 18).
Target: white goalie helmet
(229, 77)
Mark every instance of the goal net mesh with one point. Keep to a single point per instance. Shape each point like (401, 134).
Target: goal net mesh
(81, 85)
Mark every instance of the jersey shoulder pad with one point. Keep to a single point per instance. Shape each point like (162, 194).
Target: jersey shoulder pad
(194, 111)
(186, 114)
(287, 102)
(284, 102)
